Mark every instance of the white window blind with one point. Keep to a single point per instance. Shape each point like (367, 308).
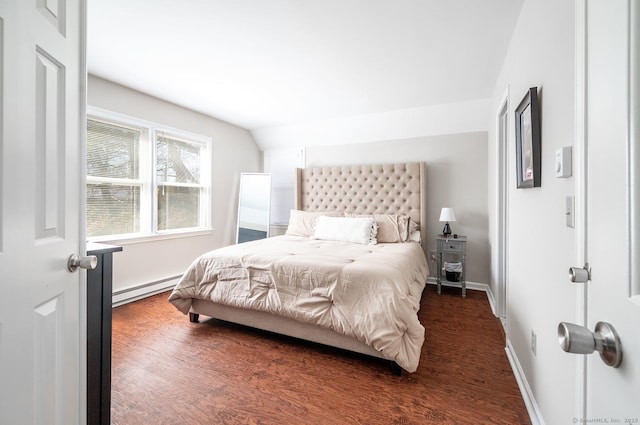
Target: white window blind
(113, 179)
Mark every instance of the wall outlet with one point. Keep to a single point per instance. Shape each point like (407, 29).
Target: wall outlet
(432, 255)
(533, 342)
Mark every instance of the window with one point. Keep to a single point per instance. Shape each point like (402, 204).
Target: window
(144, 179)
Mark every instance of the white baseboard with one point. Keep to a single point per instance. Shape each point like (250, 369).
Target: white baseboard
(137, 292)
(527, 395)
(492, 300)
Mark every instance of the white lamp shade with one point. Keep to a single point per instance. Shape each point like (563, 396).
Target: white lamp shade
(447, 214)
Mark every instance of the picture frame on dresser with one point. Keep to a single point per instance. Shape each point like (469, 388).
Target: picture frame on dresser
(528, 146)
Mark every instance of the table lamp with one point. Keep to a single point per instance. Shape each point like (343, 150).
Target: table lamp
(447, 215)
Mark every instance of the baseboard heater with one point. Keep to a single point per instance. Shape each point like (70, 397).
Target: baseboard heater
(137, 292)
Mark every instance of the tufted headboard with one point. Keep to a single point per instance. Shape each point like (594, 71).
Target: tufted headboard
(365, 189)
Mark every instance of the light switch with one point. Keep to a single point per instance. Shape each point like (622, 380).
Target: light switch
(563, 162)
(569, 213)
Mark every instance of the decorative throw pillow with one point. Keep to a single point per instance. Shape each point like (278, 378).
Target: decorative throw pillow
(389, 226)
(347, 229)
(414, 232)
(403, 227)
(303, 223)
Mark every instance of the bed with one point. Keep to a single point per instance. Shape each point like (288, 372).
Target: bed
(312, 284)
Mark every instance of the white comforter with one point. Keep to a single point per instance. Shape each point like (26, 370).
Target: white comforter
(369, 292)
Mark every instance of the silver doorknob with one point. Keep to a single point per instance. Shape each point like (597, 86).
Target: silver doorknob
(580, 340)
(580, 275)
(75, 261)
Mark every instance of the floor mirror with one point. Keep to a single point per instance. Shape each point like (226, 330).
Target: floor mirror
(253, 207)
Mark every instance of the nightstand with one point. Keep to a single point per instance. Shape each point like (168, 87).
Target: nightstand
(451, 250)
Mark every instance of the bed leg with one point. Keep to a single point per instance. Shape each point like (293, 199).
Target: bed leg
(396, 369)
(193, 317)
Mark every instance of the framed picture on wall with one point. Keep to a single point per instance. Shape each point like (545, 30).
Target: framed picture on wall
(528, 162)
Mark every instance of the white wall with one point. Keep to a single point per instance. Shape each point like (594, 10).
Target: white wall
(541, 247)
(433, 120)
(282, 164)
(456, 169)
(234, 152)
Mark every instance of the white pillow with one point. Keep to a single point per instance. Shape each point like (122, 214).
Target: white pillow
(356, 230)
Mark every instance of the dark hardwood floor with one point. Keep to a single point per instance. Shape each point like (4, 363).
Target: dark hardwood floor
(169, 371)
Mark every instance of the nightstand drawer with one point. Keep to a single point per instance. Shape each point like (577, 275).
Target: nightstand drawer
(451, 247)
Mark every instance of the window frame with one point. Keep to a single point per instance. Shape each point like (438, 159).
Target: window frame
(148, 180)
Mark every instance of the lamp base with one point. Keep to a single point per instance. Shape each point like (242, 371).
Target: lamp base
(447, 230)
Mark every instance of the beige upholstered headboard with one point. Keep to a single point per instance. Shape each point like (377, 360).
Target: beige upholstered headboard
(365, 189)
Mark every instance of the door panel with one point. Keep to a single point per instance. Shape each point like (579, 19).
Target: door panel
(49, 148)
(42, 338)
(54, 12)
(48, 356)
(610, 393)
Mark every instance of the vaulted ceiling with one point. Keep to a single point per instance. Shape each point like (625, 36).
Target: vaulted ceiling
(269, 63)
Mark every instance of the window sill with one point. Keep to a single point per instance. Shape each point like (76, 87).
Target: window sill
(150, 238)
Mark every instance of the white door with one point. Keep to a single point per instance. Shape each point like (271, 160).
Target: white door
(613, 295)
(42, 314)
